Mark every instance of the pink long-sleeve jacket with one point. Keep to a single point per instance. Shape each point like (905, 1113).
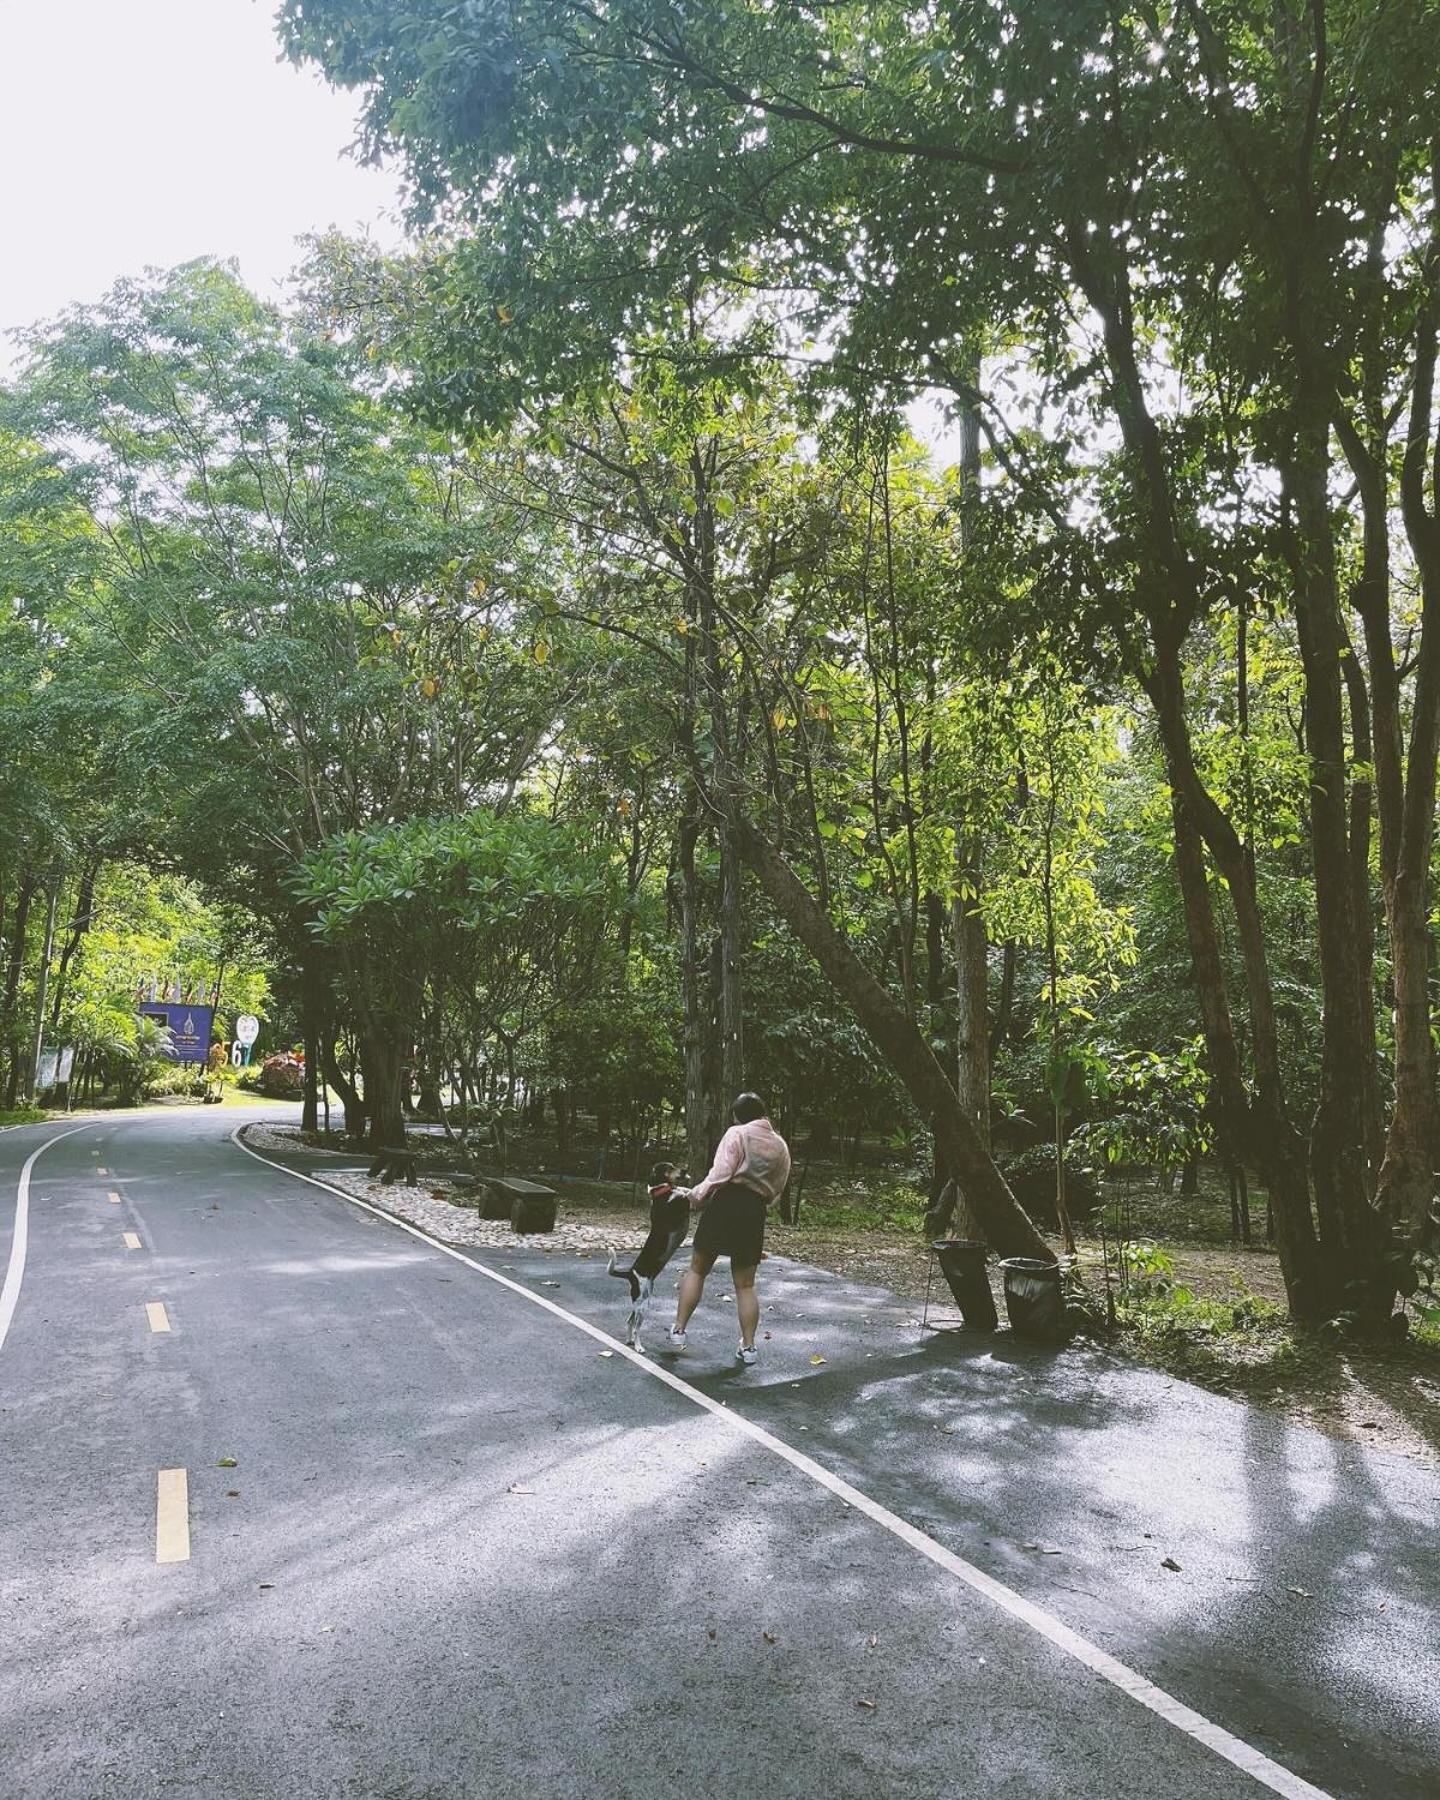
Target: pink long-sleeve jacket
(755, 1156)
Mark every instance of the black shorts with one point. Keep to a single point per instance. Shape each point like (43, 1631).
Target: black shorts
(732, 1223)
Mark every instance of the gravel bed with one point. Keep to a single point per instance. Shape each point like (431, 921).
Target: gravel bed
(455, 1224)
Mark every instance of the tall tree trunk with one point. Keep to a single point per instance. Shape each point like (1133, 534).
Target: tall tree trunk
(336, 1078)
(1273, 1144)
(697, 1128)
(731, 983)
(969, 940)
(14, 967)
(1406, 1186)
(310, 1107)
(381, 1063)
(1222, 1052)
(79, 925)
(972, 1022)
(1350, 1242)
(1005, 1225)
(42, 979)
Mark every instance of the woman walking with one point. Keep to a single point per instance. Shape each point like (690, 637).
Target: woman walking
(751, 1167)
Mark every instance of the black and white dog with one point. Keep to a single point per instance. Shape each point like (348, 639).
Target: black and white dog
(669, 1225)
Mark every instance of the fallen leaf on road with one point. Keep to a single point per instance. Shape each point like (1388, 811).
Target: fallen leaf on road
(868, 1705)
(815, 1361)
(227, 1462)
(266, 1584)
(1169, 1562)
(232, 1493)
(769, 1636)
(549, 1284)
(767, 1334)
(1300, 1593)
(710, 1633)
(874, 1643)
(607, 1352)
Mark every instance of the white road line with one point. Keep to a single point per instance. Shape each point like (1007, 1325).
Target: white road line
(15, 1270)
(1195, 1725)
(156, 1314)
(172, 1516)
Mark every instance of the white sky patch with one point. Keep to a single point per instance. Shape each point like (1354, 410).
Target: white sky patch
(143, 133)
(140, 134)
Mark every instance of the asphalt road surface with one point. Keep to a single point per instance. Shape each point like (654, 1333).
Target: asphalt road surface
(295, 1503)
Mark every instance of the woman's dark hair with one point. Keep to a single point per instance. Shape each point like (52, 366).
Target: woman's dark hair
(748, 1108)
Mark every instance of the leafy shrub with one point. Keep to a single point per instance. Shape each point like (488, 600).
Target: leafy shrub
(180, 1078)
(1031, 1176)
(282, 1076)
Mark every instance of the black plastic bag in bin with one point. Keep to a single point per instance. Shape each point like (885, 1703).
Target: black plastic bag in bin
(962, 1263)
(1033, 1297)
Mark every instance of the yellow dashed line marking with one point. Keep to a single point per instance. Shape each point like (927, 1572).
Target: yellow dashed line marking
(113, 1197)
(100, 1171)
(159, 1319)
(172, 1516)
(132, 1240)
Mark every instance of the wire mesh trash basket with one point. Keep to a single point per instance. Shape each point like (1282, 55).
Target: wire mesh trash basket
(962, 1263)
(1033, 1297)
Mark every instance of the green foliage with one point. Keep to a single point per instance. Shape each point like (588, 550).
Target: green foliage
(1151, 1108)
(22, 1115)
(617, 1052)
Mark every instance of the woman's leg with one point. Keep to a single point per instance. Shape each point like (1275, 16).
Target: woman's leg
(692, 1286)
(747, 1304)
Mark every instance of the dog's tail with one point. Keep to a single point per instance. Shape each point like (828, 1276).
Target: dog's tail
(624, 1275)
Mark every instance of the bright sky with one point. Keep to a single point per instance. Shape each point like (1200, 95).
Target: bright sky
(142, 133)
(139, 133)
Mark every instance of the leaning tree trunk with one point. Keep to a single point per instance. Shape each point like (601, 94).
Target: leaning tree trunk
(1004, 1223)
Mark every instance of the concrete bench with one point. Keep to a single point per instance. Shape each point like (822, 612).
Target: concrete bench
(528, 1205)
(391, 1164)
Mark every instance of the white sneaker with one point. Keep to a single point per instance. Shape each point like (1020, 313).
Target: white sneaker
(674, 1340)
(746, 1353)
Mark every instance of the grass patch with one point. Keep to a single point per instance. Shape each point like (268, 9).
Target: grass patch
(23, 1115)
(863, 1206)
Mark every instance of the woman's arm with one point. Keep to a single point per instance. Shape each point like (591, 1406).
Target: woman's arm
(729, 1160)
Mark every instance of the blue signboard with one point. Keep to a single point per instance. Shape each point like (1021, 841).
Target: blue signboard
(189, 1028)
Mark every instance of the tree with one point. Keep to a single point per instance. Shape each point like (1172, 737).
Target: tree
(1059, 186)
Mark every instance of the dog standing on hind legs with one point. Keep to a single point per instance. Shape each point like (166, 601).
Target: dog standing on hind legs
(669, 1225)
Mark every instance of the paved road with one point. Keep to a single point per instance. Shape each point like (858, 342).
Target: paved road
(461, 1552)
